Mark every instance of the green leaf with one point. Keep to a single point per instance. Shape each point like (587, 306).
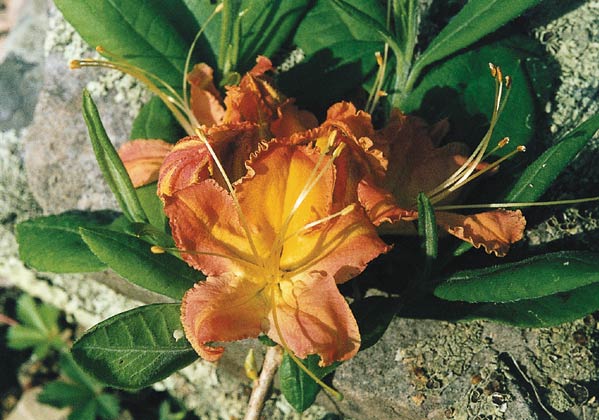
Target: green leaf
(339, 54)
(136, 348)
(53, 243)
(298, 388)
(155, 121)
(70, 369)
(131, 258)
(38, 329)
(531, 278)
(373, 315)
(28, 314)
(365, 20)
(61, 394)
(539, 175)
(20, 337)
(543, 312)
(265, 26)
(152, 205)
(476, 19)
(108, 406)
(110, 163)
(462, 90)
(137, 30)
(87, 411)
(427, 229)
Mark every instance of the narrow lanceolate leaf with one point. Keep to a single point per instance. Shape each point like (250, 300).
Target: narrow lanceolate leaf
(539, 175)
(427, 229)
(138, 30)
(535, 277)
(53, 243)
(298, 388)
(136, 348)
(131, 258)
(152, 206)
(110, 163)
(546, 311)
(476, 19)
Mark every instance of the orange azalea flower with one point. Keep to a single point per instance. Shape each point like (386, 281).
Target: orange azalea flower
(255, 111)
(274, 250)
(417, 165)
(253, 100)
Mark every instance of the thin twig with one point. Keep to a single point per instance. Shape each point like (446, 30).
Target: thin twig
(7, 320)
(272, 360)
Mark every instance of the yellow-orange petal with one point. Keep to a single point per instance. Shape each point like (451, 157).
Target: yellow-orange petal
(204, 97)
(277, 175)
(495, 231)
(188, 163)
(204, 222)
(143, 158)
(314, 318)
(415, 164)
(381, 206)
(341, 247)
(291, 120)
(345, 117)
(222, 309)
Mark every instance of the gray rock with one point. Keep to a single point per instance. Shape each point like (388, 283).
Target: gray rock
(418, 370)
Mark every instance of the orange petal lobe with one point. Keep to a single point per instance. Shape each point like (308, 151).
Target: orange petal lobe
(204, 97)
(381, 206)
(204, 221)
(342, 247)
(495, 231)
(314, 318)
(188, 163)
(222, 309)
(143, 158)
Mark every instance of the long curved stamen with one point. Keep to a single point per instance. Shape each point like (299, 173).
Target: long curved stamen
(483, 171)
(156, 249)
(316, 175)
(522, 204)
(172, 100)
(242, 218)
(465, 173)
(335, 394)
(343, 212)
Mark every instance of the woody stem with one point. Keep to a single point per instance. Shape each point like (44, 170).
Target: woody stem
(272, 360)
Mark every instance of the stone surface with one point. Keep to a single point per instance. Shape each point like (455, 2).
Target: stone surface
(29, 409)
(420, 369)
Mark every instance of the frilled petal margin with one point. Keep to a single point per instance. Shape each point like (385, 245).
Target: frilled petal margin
(222, 309)
(495, 231)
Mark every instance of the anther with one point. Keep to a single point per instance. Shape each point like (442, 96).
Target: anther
(338, 150)
(379, 58)
(503, 142)
(493, 70)
(521, 148)
(381, 93)
(155, 249)
(508, 82)
(74, 64)
(499, 75)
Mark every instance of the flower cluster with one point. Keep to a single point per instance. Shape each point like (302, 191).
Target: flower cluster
(278, 210)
